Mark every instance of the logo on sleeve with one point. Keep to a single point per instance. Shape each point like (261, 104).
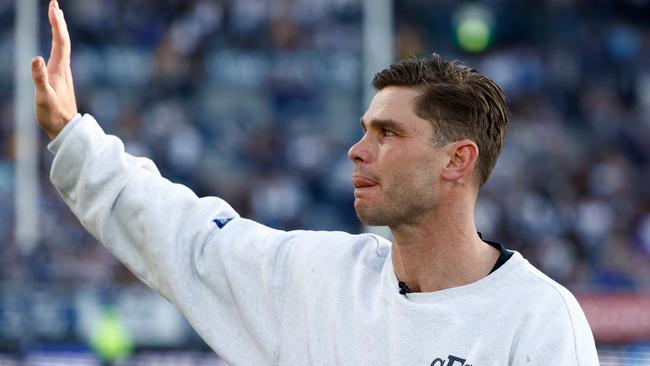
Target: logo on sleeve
(222, 222)
(450, 361)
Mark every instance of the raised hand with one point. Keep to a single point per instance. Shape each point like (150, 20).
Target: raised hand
(54, 99)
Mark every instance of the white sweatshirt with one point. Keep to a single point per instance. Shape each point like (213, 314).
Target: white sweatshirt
(260, 296)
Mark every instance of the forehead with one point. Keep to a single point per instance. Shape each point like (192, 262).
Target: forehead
(394, 103)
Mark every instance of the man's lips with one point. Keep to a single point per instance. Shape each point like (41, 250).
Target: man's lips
(362, 182)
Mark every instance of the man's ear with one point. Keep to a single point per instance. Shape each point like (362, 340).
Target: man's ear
(463, 156)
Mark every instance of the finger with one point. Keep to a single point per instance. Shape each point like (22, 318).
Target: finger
(60, 54)
(39, 74)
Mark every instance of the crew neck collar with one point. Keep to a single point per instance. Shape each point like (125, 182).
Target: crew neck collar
(391, 288)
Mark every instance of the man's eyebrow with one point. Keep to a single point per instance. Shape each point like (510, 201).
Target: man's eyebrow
(389, 124)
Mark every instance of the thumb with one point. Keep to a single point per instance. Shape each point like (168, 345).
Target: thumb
(39, 73)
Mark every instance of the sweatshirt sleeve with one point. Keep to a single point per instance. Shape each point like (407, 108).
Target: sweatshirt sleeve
(223, 272)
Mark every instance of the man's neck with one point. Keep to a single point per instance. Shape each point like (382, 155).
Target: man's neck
(441, 251)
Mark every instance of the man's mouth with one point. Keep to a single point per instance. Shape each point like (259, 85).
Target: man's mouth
(362, 182)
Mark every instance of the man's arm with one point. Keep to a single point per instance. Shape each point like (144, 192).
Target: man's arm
(226, 274)
(223, 272)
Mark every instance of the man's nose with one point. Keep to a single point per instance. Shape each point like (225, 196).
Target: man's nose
(359, 152)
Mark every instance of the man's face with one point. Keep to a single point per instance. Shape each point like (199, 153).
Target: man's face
(396, 166)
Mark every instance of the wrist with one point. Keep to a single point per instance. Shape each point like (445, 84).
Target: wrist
(54, 129)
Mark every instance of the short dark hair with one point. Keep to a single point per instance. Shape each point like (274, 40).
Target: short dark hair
(458, 101)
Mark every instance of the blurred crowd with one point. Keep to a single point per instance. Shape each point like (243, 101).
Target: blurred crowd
(257, 101)
(571, 189)
(254, 101)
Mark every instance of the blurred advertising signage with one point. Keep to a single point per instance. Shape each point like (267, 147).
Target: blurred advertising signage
(617, 317)
(45, 312)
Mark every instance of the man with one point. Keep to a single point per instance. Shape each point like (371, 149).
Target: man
(438, 295)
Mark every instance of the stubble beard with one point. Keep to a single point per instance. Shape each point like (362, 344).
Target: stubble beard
(393, 210)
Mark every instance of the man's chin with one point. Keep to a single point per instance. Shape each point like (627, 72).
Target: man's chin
(369, 218)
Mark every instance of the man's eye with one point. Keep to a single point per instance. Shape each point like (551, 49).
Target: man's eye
(388, 133)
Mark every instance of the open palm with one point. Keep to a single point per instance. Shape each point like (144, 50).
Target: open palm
(54, 98)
